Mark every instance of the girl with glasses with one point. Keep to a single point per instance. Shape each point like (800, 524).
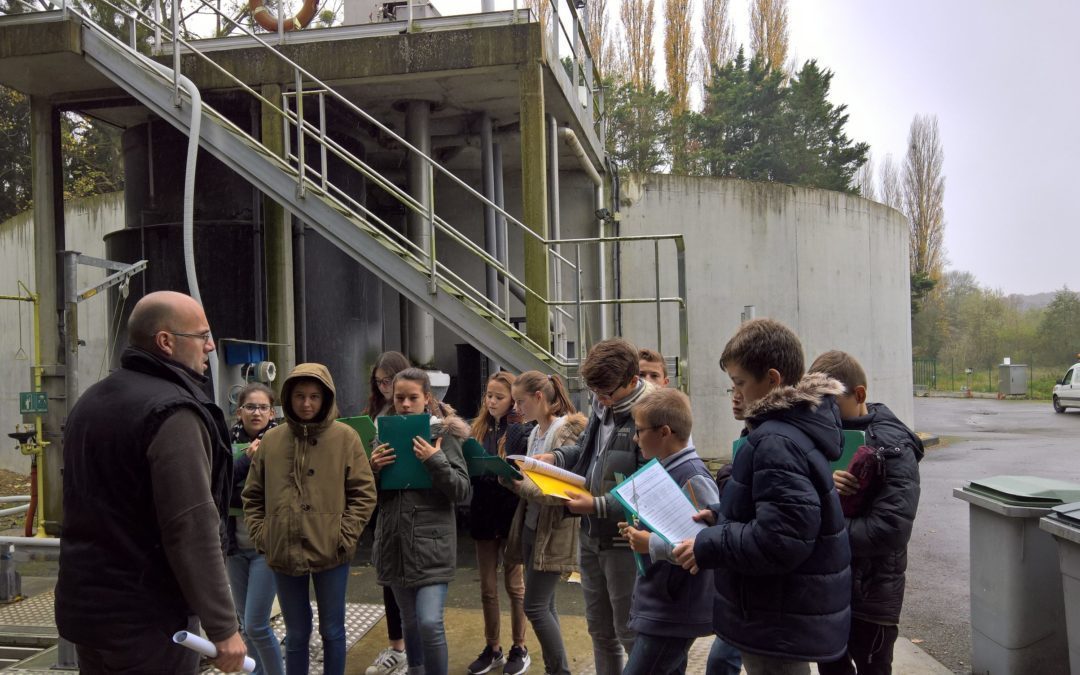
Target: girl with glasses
(251, 581)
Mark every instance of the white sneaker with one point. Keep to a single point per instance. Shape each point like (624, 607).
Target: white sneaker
(388, 661)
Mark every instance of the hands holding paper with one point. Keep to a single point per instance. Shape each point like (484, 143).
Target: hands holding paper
(684, 552)
(424, 450)
(581, 504)
(230, 653)
(639, 539)
(382, 456)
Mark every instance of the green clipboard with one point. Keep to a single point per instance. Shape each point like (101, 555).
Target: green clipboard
(238, 450)
(480, 463)
(363, 426)
(852, 441)
(407, 472)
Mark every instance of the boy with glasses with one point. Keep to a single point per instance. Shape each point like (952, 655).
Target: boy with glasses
(605, 449)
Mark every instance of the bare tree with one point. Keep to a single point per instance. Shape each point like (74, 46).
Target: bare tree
(769, 31)
(601, 44)
(864, 179)
(638, 22)
(923, 191)
(678, 52)
(889, 177)
(718, 41)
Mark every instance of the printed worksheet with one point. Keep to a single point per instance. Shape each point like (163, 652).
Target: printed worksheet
(660, 503)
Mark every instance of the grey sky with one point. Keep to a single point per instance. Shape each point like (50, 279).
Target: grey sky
(1001, 75)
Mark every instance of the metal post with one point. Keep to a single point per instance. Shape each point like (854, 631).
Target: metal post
(659, 325)
(156, 6)
(433, 287)
(322, 139)
(133, 33)
(285, 126)
(409, 28)
(577, 292)
(555, 226)
(487, 170)
(281, 22)
(71, 321)
(176, 51)
(299, 133)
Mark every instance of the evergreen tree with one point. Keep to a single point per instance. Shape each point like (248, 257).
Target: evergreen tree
(639, 127)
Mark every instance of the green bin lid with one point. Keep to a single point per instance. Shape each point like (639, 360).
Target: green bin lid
(1068, 512)
(1026, 490)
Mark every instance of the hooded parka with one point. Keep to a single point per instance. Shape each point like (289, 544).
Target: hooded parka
(310, 490)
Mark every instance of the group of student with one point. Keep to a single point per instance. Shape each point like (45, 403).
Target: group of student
(796, 563)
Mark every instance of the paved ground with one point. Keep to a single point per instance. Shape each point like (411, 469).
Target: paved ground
(980, 438)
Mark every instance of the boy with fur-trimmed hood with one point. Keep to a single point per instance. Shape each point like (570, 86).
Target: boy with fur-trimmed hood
(778, 539)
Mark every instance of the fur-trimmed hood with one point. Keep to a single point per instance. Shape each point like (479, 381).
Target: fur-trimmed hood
(808, 405)
(570, 429)
(449, 425)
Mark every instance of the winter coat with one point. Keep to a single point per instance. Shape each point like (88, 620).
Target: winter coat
(556, 546)
(780, 545)
(416, 537)
(880, 536)
(492, 506)
(620, 456)
(310, 491)
(241, 467)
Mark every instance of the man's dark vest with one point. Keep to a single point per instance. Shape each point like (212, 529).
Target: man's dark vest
(113, 569)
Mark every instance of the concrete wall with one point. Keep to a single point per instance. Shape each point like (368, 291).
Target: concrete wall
(87, 222)
(831, 266)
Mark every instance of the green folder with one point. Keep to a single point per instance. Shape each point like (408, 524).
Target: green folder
(238, 450)
(852, 441)
(363, 426)
(407, 472)
(480, 463)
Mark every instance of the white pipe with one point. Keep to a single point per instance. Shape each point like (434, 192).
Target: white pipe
(14, 510)
(32, 542)
(194, 129)
(570, 138)
(14, 498)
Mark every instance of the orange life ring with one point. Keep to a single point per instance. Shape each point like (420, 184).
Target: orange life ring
(267, 20)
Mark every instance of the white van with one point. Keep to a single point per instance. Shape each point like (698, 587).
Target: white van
(1067, 390)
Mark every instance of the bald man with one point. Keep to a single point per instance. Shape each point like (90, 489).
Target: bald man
(147, 469)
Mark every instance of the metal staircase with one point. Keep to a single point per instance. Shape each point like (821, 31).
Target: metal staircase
(304, 189)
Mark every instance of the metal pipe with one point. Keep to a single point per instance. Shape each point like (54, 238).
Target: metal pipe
(299, 289)
(322, 139)
(656, 269)
(33, 542)
(554, 224)
(572, 141)
(71, 321)
(487, 166)
(14, 498)
(281, 22)
(176, 51)
(501, 234)
(23, 508)
(601, 258)
(421, 326)
(301, 162)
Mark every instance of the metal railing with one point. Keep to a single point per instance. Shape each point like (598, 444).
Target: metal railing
(312, 177)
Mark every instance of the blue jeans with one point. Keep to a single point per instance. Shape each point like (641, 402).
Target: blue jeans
(655, 655)
(296, 606)
(253, 591)
(723, 659)
(422, 623)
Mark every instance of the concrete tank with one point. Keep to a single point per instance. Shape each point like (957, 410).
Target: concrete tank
(832, 266)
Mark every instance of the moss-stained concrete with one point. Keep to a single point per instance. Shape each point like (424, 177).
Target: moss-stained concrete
(371, 57)
(32, 39)
(277, 245)
(534, 199)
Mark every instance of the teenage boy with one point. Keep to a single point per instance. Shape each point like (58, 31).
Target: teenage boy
(652, 367)
(880, 531)
(671, 607)
(777, 538)
(606, 448)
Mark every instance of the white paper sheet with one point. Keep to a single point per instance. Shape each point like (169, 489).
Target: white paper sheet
(536, 465)
(660, 503)
(206, 648)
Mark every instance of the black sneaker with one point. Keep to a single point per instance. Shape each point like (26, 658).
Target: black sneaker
(487, 661)
(518, 662)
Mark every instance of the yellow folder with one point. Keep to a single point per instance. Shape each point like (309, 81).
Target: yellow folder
(555, 487)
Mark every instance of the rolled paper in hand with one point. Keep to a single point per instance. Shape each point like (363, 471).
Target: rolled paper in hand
(199, 644)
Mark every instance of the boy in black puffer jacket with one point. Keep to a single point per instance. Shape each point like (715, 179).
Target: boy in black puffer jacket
(879, 533)
(778, 540)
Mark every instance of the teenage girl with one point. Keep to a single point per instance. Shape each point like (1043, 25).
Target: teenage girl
(416, 537)
(380, 402)
(490, 513)
(540, 535)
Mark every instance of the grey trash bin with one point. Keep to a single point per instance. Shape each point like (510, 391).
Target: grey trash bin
(1017, 610)
(1064, 523)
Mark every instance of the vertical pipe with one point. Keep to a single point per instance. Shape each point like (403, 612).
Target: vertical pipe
(577, 292)
(299, 288)
(487, 6)
(156, 6)
(501, 233)
(433, 286)
(601, 260)
(71, 323)
(322, 139)
(487, 162)
(281, 22)
(555, 226)
(421, 326)
(133, 25)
